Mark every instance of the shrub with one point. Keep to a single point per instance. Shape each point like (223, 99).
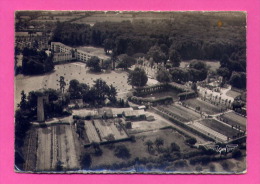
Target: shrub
(86, 161)
(225, 166)
(191, 141)
(198, 168)
(236, 154)
(122, 151)
(175, 147)
(132, 138)
(212, 168)
(180, 163)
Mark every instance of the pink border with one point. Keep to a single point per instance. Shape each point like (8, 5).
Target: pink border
(7, 8)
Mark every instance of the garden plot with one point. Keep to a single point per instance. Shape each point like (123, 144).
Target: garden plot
(204, 106)
(91, 132)
(183, 113)
(219, 127)
(56, 143)
(108, 128)
(234, 119)
(208, 131)
(44, 161)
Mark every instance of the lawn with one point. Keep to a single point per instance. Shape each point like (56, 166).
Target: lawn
(219, 127)
(204, 106)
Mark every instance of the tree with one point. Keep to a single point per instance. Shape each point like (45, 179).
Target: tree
(101, 90)
(59, 166)
(175, 147)
(224, 61)
(164, 48)
(35, 62)
(224, 72)
(158, 142)
(191, 141)
(121, 151)
(74, 89)
(238, 80)
(23, 103)
(156, 54)
(194, 87)
(125, 61)
(107, 64)
(198, 71)
(163, 76)
(180, 163)
(108, 45)
(174, 57)
(94, 64)
(137, 77)
(62, 84)
(112, 93)
(22, 125)
(149, 145)
(86, 161)
(180, 75)
(236, 154)
(97, 148)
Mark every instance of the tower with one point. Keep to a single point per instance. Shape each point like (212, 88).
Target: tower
(40, 107)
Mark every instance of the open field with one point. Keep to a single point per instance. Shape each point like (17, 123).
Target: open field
(56, 143)
(204, 106)
(70, 71)
(101, 17)
(184, 114)
(219, 127)
(234, 119)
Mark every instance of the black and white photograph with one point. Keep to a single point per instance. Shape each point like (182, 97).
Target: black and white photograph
(130, 92)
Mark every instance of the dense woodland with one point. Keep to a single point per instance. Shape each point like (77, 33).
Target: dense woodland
(36, 62)
(193, 35)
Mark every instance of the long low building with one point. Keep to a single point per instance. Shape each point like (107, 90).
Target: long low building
(62, 52)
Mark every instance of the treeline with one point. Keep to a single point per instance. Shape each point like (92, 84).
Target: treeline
(233, 69)
(35, 62)
(195, 36)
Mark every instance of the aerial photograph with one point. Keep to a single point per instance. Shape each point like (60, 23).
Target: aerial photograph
(148, 92)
